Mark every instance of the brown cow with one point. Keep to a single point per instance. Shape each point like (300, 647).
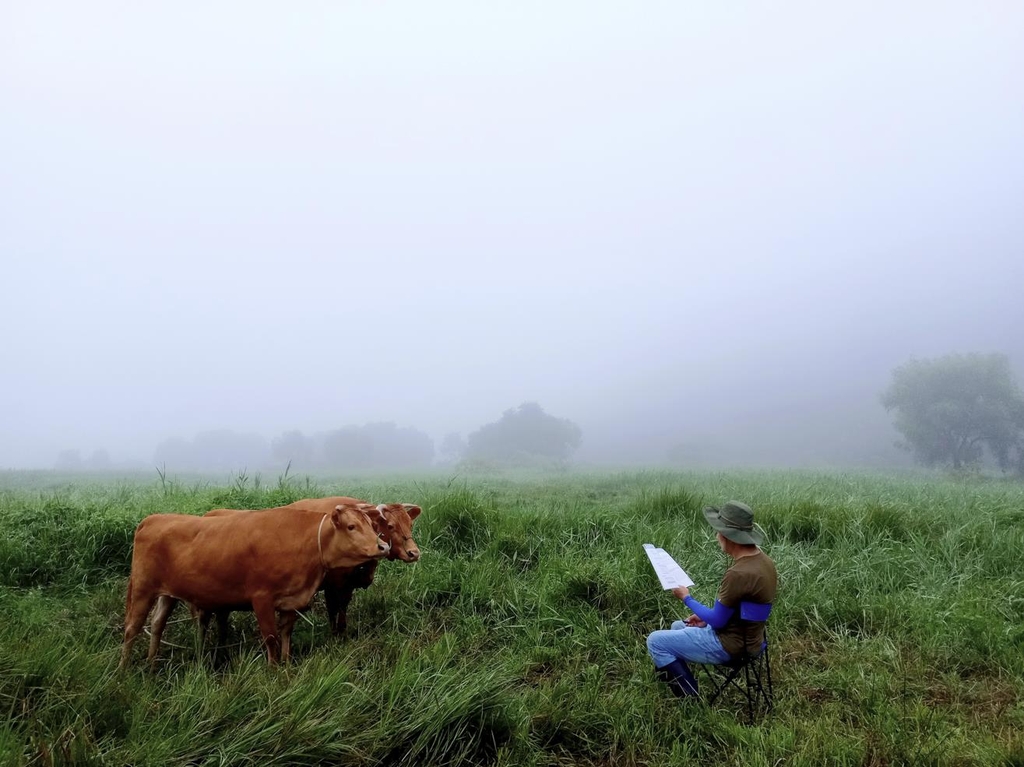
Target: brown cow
(339, 585)
(274, 561)
(393, 522)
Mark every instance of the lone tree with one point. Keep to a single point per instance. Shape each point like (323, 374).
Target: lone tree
(523, 435)
(949, 409)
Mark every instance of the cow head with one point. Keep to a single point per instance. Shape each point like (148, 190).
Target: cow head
(397, 519)
(354, 540)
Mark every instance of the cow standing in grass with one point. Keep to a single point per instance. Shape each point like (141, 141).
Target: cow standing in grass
(393, 522)
(264, 561)
(339, 585)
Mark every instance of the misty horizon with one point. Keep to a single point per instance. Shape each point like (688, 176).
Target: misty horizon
(713, 227)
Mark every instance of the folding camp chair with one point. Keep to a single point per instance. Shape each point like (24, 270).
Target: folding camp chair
(749, 673)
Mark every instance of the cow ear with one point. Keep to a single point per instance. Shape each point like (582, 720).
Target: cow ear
(414, 511)
(336, 516)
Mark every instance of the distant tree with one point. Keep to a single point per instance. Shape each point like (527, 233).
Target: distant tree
(1010, 456)
(1017, 459)
(229, 450)
(173, 452)
(453, 447)
(348, 448)
(69, 460)
(381, 445)
(399, 447)
(293, 447)
(99, 460)
(213, 451)
(523, 435)
(951, 408)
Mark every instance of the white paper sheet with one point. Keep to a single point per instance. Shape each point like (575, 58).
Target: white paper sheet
(667, 569)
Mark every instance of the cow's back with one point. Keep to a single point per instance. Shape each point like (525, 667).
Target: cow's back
(323, 505)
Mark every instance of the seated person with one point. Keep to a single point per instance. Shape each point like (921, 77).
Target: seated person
(716, 634)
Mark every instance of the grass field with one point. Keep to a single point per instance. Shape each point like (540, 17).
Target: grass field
(519, 638)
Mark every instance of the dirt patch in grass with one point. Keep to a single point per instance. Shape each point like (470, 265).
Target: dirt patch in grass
(981, 700)
(817, 694)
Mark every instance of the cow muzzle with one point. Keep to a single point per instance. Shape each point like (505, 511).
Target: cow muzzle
(412, 555)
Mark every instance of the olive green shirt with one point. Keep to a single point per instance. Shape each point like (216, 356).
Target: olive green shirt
(750, 579)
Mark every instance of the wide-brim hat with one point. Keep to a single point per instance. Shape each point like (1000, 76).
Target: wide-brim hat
(735, 521)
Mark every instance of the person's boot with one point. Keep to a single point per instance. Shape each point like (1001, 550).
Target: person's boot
(679, 679)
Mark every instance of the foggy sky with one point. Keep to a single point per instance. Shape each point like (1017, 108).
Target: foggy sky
(664, 221)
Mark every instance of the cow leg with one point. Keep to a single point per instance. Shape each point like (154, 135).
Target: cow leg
(164, 607)
(263, 606)
(135, 616)
(202, 618)
(223, 627)
(285, 624)
(337, 598)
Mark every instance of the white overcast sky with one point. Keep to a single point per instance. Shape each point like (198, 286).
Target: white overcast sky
(653, 218)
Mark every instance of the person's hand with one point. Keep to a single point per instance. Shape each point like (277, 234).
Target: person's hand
(681, 591)
(693, 620)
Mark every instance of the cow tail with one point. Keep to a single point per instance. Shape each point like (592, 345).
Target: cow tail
(128, 600)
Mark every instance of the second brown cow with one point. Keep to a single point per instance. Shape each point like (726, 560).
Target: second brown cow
(339, 585)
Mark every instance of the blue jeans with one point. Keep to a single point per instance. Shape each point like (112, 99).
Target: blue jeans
(688, 643)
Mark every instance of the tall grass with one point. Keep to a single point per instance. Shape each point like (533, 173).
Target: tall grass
(518, 639)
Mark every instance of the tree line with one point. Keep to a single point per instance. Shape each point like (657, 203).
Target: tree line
(523, 436)
(958, 411)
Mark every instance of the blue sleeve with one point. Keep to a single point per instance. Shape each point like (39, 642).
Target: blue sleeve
(716, 617)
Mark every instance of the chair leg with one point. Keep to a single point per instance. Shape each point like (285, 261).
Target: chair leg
(764, 679)
(721, 682)
(755, 684)
(750, 699)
